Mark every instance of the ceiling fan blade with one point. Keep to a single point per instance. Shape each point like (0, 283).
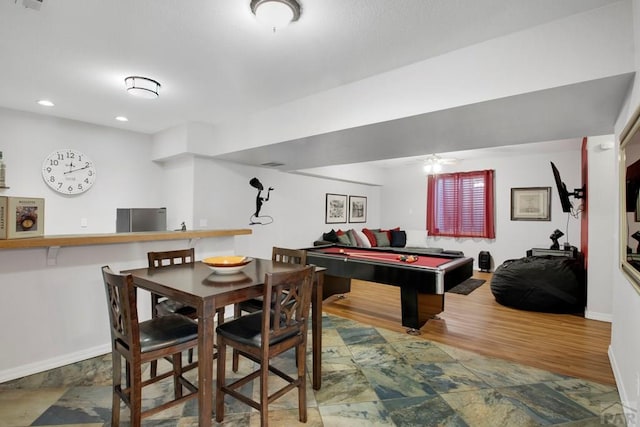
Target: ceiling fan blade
(450, 161)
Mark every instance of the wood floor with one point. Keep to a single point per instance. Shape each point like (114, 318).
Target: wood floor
(562, 343)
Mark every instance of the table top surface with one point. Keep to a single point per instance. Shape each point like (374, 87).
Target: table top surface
(363, 255)
(199, 280)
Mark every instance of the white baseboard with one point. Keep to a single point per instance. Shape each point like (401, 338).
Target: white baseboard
(56, 362)
(603, 317)
(629, 406)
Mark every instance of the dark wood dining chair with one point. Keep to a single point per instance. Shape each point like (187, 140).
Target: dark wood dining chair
(278, 254)
(143, 342)
(289, 256)
(161, 306)
(260, 336)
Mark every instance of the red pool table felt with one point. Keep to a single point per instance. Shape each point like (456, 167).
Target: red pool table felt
(390, 257)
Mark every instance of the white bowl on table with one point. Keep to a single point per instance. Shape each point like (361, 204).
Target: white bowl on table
(227, 264)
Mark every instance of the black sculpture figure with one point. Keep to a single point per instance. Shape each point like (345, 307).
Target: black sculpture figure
(255, 183)
(554, 238)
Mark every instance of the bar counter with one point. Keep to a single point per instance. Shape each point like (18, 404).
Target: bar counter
(104, 239)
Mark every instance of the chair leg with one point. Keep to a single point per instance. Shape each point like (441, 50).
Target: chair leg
(117, 384)
(236, 358)
(135, 395)
(154, 369)
(264, 392)
(127, 373)
(301, 355)
(177, 373)
(235, 362)
(220, 381)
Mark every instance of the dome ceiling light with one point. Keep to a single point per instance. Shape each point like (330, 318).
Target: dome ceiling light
(276, 13)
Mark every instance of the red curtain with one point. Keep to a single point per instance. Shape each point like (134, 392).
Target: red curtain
(461, 204)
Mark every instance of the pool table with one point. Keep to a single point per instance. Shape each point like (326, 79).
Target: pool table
(423, 279)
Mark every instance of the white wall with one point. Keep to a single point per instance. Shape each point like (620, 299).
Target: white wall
(178, 183)
(405, 200)
(61, 308)
(56, 315)
(602, 232)
(125, 177)
(297, 204)
(624, 351)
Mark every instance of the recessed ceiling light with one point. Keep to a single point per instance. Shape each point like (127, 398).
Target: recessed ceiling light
(122, 119)
(46, 103)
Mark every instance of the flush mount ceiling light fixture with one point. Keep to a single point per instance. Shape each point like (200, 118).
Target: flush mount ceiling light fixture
(142, 87)
(276, 13)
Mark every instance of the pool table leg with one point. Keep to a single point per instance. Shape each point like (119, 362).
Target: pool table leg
(418, 308)
(334, 285)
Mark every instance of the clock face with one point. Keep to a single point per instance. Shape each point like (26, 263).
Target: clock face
(68, 171)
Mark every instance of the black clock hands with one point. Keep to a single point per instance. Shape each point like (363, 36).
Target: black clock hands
(76, 170)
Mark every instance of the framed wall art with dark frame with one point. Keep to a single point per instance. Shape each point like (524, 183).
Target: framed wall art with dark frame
(335, 208)
(357, 209)
(531, 204)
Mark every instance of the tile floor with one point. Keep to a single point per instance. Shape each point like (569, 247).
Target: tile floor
(371, 377)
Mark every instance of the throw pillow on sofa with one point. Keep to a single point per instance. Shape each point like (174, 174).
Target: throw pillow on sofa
(370, 236)
(343, 239)
(330, 237)
(416, 239)
(389, 232)
(355, 240)
(382, 238)
(363, 238)
(398, 238)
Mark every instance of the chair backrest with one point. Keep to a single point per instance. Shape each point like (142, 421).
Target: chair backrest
(165, 259)
(288, 293)
(123, 311)
(289, 256)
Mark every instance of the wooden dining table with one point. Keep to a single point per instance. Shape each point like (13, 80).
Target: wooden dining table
(197, 285)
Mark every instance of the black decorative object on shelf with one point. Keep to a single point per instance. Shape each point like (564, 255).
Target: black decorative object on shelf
(554, 238)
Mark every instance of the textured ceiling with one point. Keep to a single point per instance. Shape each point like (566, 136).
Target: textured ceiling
(216, 63)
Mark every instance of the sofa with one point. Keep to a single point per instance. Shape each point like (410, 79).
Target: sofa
(388, 240)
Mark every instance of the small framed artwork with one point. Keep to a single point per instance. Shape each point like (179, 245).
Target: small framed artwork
(357, 209)
(336, 208)
(531, 204)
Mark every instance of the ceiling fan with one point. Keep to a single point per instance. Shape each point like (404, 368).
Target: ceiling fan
(433, 163)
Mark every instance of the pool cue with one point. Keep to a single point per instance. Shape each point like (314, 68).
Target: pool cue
(377, 258)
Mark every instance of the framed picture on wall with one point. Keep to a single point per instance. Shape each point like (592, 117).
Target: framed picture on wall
(357, 209)
(335, 208)
(531, 204)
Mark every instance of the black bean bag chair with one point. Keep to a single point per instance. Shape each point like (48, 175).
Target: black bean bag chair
(551, 284)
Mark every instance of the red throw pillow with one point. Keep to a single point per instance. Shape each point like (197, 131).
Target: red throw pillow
(339, 232)
(371, 237)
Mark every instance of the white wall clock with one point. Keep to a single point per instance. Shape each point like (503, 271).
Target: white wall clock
(68, 171)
